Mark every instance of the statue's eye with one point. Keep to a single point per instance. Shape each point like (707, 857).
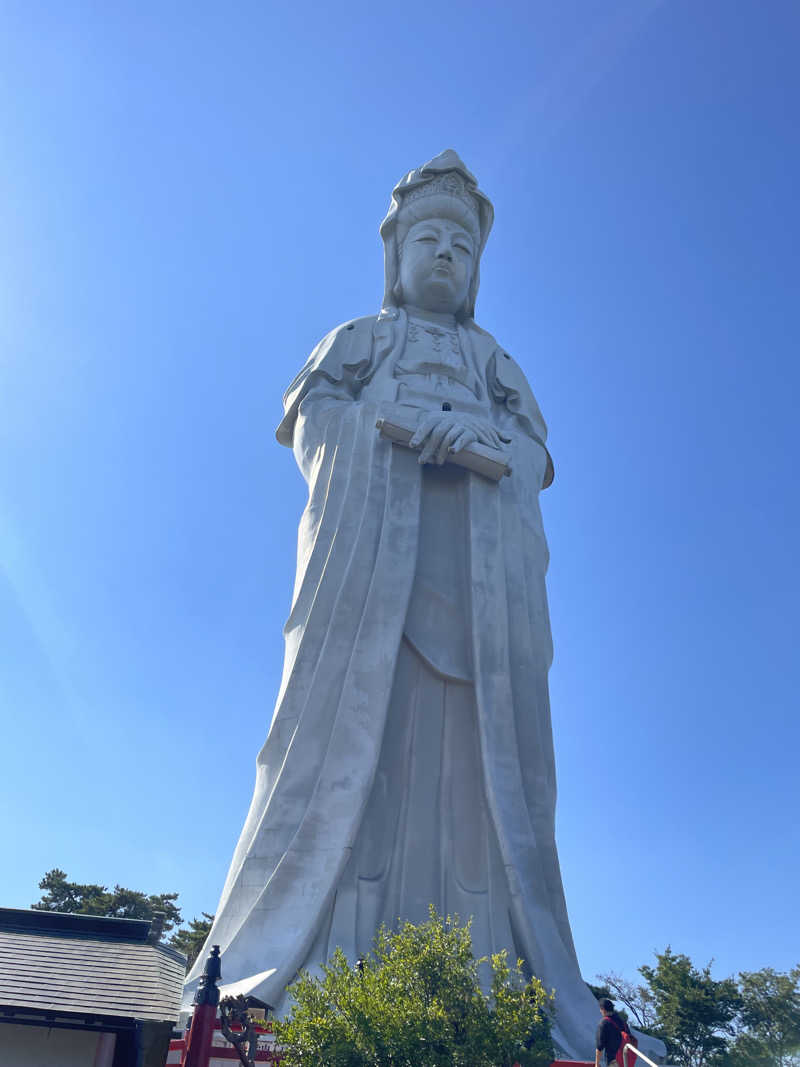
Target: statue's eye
(464, 248)
(428, 237)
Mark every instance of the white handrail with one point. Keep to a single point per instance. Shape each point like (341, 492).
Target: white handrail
(632, 1048)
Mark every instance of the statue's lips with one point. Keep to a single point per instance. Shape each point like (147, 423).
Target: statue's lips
(440, 270)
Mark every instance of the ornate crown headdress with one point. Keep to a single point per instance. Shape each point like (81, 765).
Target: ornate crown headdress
(444, 177)
(448, 184)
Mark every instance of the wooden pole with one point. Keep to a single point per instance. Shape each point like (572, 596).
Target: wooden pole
(204, 1016)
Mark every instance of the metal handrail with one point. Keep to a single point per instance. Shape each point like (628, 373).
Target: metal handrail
(632, 1048)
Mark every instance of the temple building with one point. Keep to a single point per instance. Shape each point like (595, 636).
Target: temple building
(85, 991)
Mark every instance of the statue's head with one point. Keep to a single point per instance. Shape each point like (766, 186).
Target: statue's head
(433, 237)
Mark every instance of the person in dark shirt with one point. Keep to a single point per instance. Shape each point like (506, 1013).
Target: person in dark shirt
(609, 1033)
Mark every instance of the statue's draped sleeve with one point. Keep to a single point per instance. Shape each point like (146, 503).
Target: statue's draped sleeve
(509, 387)
(341, 363)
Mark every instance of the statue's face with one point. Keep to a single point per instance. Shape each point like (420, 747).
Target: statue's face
(436, 265)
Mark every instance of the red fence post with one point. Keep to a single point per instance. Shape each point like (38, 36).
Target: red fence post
(201, 1030)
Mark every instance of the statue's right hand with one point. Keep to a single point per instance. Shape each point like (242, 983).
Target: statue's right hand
(444, 432)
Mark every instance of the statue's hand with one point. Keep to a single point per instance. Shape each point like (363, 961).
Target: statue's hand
(442, 433)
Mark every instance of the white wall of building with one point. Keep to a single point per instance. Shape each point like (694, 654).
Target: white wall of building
(40, 1046)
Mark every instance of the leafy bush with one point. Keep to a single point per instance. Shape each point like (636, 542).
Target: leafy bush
(417, 1002)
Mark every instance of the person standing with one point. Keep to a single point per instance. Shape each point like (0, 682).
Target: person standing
(610, 1034)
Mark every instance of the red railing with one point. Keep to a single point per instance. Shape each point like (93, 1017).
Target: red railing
(218, 1050)
(220, 1053)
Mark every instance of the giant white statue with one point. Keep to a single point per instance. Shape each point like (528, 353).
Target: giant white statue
(410, 759)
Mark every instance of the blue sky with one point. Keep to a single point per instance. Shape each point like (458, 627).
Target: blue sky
(189, 200)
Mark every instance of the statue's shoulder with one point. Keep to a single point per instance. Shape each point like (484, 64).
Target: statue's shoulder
(343, 353)
(346, 347)
(349, 333)
(500, 364)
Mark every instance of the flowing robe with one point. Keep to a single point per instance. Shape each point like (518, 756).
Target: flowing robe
(286, 890)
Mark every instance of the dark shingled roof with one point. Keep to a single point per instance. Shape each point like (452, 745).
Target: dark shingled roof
(53, 962)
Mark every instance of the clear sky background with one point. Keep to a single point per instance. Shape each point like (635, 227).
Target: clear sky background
(189, 199)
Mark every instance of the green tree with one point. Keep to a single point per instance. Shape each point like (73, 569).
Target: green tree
(638, 1001)
(695, 1013)
(769, 1018)
(190, 940)
(119, 903)
(417, 1000)
(599, 991)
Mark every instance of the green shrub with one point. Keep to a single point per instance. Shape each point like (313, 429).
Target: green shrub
(417, 1002)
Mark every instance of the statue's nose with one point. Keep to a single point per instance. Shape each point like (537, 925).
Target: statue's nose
(445, 253)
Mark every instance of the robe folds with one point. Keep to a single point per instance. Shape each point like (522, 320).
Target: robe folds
(356, 563)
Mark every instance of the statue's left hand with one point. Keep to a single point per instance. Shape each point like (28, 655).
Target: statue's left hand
(444, 432)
